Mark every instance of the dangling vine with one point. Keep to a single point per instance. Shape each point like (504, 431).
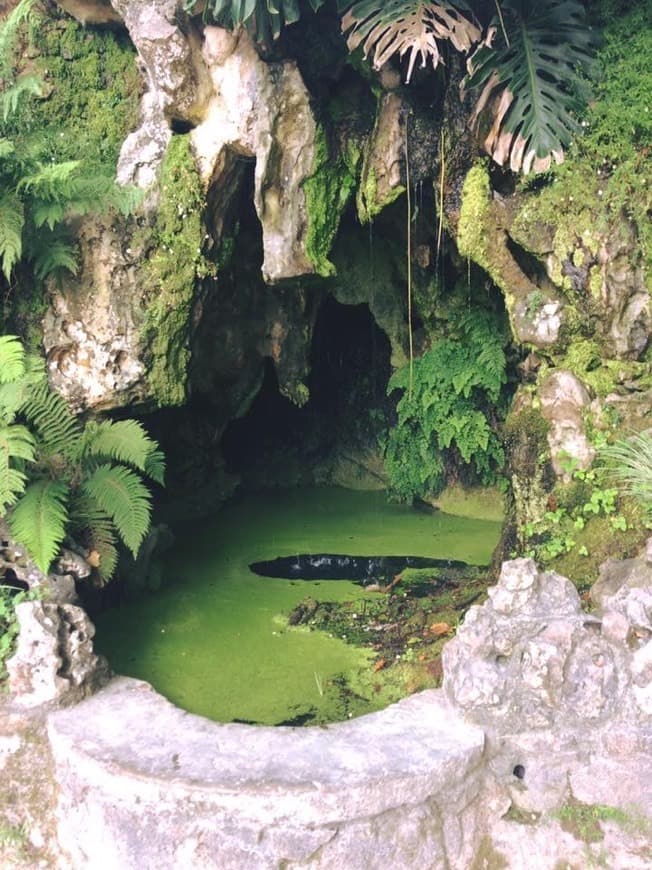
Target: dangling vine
(409, 260)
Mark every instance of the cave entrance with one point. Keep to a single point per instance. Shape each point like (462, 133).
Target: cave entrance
(335, 435)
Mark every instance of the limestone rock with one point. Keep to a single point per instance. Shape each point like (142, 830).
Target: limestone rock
(563, 400)
(530, 658)
(260, 110)
(91, 11)
(91, 329)
(54, 661)
(381, 174)
(176, 84)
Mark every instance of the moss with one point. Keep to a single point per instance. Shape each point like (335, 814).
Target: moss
(471, 228)
(583, 821)
(605, 182)
(92, 89)
(174, 266)
(327, 192)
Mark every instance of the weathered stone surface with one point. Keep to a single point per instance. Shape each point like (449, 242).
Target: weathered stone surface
(540, 328)
(563, 400)
(54, 661)
(91, 330)
(20, 571)
(91, 11)
(213, 795)
(530, 658)
(260, 110)
(381, 181)
(176, 84)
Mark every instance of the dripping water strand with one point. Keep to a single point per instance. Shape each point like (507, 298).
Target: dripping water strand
(442, 177)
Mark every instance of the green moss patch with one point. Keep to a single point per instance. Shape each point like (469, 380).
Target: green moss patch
(173, 269)
(327, 192)
(91, 91)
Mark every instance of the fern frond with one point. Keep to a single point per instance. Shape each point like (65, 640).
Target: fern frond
(124, 440)
(57, 428)
(51, 180)
(12, 358)
(155, 466)
(93, 526)
(38, 520)
(16, 442)
(122, 494)
(9, 29)
(12, 221)
(54, 255)
(388, 27)
(10, 98)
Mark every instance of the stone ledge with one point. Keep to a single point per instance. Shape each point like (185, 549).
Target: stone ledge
(143, 783)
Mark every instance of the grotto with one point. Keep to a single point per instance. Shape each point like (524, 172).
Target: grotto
(325, 398)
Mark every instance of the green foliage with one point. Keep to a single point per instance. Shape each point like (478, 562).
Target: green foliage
(43, 183)
(444, 413)
(60, 477)
(9, 598)
(559, 530)
(531, 81)
(629, 465)
(263, 18)
(606, 176)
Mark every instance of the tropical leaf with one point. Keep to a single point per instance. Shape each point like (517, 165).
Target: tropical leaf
(388, 27)
(123, 496)
(12, 358)
(530, 78)
(124, 440)
(262, 17)
(39, 520)
(12, 220)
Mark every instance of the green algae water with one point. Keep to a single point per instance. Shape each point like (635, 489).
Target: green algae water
(215, 640)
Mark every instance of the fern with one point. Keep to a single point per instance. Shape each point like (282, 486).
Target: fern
(29, 85)
(9, 29)
(12, 221)
(16, 442)
(54, 255)
(39, 520)
(409, 26)
(57, 429)
(155, 466)
(94, 527)
(454, 384)
(125, 441)
(122, 495)
(12, 359)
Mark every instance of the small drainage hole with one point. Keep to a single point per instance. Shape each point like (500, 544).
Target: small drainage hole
(519, 771)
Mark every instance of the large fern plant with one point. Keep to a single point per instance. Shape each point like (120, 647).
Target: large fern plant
(60, 477)
(444, 414)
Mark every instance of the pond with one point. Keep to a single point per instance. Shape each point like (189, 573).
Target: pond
(215, 639)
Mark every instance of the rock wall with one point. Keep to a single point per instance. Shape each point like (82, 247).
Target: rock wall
(535, 753)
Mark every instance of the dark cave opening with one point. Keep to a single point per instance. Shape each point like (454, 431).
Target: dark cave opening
(349, 370)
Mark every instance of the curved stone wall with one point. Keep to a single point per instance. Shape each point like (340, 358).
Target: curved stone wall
(143, 784)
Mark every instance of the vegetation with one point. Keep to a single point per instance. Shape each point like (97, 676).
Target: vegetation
(43, 183)
(444, 415)
(526, 59)
(630, 467)
(59, 477)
